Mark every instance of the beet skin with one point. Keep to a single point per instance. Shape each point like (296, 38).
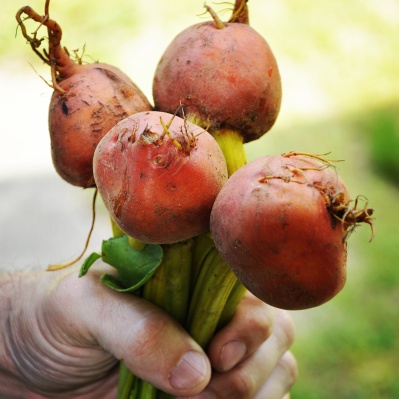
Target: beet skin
(158, 188)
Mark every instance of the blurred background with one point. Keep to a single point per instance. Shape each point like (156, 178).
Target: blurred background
(339, 65)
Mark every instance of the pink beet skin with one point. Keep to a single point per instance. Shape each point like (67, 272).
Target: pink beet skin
(97, 97)
(273, 227)
(226, 78)
(156, 191)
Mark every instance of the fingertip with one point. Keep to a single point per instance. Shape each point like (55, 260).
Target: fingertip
(231, 354)
(161, 344)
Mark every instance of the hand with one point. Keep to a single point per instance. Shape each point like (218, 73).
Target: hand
(62, 337)
(250, 355)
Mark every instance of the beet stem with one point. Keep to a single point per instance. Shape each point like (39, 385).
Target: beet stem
(136, 244)
(212, 290)
(203, 244)
(125, 382)
(116, 231)
(218, 22)
(240, 12)
(231, 143)
(237, 293)
(177, 258)
(145, 391)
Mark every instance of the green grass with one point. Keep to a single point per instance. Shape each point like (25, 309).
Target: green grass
(339, 67)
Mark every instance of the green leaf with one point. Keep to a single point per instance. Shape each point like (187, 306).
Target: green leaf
(112, 282)
(88, 262)
(134, 267)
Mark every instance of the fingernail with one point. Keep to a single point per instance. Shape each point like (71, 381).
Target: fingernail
(231, 354)
(190, 371)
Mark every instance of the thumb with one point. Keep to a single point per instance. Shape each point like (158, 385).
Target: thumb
(151, 343)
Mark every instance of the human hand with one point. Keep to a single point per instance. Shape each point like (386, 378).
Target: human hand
(251, 357)
(62, 337)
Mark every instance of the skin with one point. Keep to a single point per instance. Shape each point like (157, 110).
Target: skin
(155, 191)
(226, 78)
(96, 98)
(271, 225)
(61, 337)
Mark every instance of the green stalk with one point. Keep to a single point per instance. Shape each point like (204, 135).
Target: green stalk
(202, 246)
(178, 259)
(232, 302)
(136, 244)
(201, 281)
(209, 298)
(146, 391)
(169, 289)
(216, 294)
(125, 382)
(230, 141)
(116, 231)
(217, 291)
(232, 145)
(155, 288)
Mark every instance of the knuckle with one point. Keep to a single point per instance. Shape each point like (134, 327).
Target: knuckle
(262, 326)
(265, 321)
(242, 387)
(260, 316)
(148, 337)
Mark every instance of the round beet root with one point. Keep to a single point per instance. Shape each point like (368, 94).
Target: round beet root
(159, 176)
(96, 98)
(88, 100)
(281, 224)
(225, 75)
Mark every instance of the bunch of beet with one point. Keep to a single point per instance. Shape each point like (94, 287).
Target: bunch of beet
(187, 210)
